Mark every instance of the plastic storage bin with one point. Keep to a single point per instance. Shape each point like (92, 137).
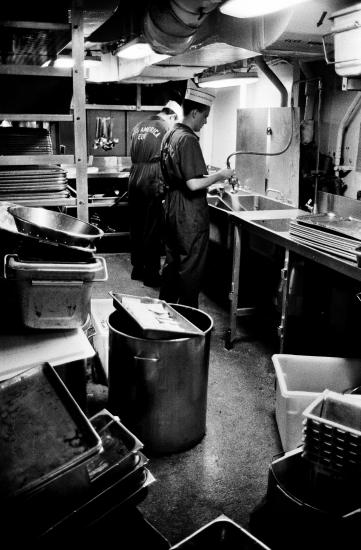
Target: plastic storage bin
(302, 378)
(100, 311)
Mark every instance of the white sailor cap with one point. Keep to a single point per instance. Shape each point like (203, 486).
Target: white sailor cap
(199, 95)
(176, 108)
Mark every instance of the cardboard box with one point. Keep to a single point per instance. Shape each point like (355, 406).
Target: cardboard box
(100, 311)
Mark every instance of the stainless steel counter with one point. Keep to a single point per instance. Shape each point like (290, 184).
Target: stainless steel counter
(271, 225)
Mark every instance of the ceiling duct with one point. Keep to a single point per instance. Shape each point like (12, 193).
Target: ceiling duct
(171, 25)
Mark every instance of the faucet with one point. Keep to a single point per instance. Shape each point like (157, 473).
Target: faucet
(271, 190)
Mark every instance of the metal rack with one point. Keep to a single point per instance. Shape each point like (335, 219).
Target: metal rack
(78, 116)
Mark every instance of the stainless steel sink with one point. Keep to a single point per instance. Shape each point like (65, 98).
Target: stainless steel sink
(279, 225)
(220, 203)
(253, 202)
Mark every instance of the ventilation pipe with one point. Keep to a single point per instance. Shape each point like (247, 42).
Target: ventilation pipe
(170, 25)
(345, 122)
(261, 64)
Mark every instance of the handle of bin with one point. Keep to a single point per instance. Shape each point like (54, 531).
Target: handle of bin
(105, 270)
(145, 359)
(144, 378)
(6, 263)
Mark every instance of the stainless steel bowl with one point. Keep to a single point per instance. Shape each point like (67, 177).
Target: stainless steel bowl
(55, 226)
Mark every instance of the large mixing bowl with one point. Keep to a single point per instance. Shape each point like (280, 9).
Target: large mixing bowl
(55, 226)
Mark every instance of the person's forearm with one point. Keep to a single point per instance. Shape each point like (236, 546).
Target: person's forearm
(201, 183)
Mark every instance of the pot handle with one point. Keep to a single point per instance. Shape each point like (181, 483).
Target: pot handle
(105, 269)
(5, 265)
(145, 375)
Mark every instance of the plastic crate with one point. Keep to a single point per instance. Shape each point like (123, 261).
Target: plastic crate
(100, 311)
(302, 378)
(332, 434)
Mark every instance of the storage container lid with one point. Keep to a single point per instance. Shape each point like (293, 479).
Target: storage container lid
(155, 318)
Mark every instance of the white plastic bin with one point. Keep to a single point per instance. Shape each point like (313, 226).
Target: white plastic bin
(302, 378)
(101, 308)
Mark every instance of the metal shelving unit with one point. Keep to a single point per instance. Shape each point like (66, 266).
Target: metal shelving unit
(78, 116)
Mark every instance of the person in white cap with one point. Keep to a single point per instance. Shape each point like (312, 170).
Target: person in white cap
(146, 193)
(186, 209)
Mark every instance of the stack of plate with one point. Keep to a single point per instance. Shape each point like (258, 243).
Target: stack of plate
(25, 141)
(32, 182)
(329, 233)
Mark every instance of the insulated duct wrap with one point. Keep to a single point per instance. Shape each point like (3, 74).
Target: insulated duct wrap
(170, 25)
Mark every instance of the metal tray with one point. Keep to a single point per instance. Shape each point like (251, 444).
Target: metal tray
(221, 533)
(329, 221)
(120, 448)
(155, 318)
(43, 433)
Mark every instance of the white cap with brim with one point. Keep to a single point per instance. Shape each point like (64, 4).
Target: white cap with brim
(176, 108)
(200, 95)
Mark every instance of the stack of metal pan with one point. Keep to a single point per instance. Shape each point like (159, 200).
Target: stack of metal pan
(329, 233)
(60, 469)
(25, 141)
(33, 183)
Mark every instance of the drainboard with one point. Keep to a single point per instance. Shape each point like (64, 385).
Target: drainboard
(279, 225)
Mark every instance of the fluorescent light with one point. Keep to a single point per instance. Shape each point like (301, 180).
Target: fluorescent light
(64, 62)
(139, 49)
(67, 62)
(91, 60)
(254, 8)
(227, 80)
(135, 49)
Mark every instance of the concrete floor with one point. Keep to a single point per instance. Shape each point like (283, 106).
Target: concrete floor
(226, 473)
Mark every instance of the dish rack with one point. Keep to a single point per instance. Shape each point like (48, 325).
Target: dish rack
(332, 435)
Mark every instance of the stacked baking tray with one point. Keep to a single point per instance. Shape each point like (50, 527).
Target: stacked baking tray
(336, 235)
(25, 141)
(33, 182)
(58, 469)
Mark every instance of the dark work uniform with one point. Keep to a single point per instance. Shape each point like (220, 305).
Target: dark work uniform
(145, 195)
(186, 218)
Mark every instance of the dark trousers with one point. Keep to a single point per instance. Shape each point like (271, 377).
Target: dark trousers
(146, 233)
(184, 268)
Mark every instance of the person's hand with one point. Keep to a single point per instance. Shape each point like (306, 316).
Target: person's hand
(215, 188)
(227, 173)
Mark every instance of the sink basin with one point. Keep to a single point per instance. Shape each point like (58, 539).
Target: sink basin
(279, 225)
(253, 202)
(219, 202)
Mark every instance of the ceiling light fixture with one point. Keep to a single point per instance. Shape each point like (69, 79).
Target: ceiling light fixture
(67, 62)
(138, 48)
(91, 60)
(242, 9)
(226, 80)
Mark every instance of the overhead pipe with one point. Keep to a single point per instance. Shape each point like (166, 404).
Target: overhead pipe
(262, 65)
(170, 25)
(345, 121)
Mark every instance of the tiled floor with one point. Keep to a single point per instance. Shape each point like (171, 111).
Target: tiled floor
(226, 472)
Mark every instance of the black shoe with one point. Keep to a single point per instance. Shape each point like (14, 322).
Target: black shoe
(137, 274)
